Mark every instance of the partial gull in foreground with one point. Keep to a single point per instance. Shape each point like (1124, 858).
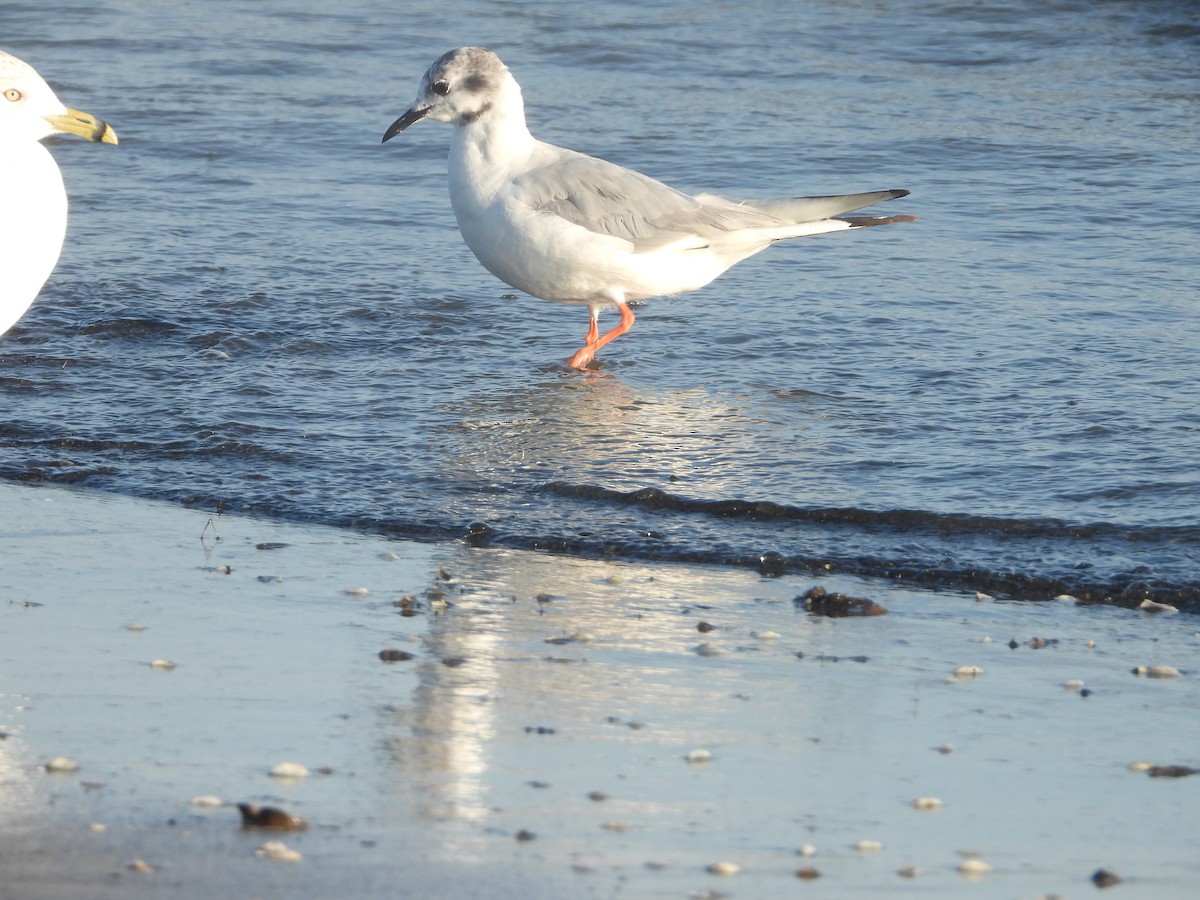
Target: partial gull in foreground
(572, 228)
(33, 201)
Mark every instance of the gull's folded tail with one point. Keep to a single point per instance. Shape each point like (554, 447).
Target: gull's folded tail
(810, 209)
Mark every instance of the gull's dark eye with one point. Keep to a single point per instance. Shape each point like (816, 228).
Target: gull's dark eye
(441, 88)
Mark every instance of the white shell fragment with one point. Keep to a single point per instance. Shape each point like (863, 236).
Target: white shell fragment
(1073, 684)
(973, 868)
(207, 801)
(278, 851)
(927, 803)
(766, 635)
(698, 756)
(356, 592)
(968, 671)
(163, 665)
(1157, 671)
(868, 846)
(61, 765)
(806, 850)
(289, 770)
(1151, 606)
(1140, 766)
(724, 868)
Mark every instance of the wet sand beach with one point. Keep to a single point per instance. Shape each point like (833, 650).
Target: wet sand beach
(550, 726)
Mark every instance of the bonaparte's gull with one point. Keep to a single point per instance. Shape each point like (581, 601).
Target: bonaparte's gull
(33, 202)
(568, 227)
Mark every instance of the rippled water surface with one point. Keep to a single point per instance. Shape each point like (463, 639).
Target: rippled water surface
(262, 307)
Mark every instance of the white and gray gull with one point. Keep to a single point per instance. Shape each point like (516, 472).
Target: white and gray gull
(568, 227)
(33, 201)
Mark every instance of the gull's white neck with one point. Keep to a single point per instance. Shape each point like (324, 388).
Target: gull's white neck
(486, 150)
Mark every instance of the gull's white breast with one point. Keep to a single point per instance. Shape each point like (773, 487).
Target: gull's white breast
(33, 221)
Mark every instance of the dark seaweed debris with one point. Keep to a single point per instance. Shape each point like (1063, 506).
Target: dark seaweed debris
(819, 602)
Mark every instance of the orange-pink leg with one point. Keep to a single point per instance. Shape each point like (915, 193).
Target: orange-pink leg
(594, 342)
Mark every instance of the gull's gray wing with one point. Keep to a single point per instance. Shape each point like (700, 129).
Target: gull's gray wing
(607, 199)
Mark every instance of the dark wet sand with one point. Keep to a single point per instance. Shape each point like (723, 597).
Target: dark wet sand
(557, 700)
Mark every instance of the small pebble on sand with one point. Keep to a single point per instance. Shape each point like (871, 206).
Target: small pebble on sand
(765, 635)
(724, 868)
(806, 850)
(945, 749)
(908, 872)
(868, 846)
(927, 803)
(1066, 598)
(708, 649)
(140, 865)
(981, 596)
(391, 654)
(1103, 878)
(808, 873)
(289, 770)
(356, 592)
(270, 817)
(278, 851)
(1171, 771)
(206, 801)
(698, 756)
(1140, 766)
(135, 627)
(61, 765)
(968, 671)
(1073, 684)
(98, 827)
(163, 665)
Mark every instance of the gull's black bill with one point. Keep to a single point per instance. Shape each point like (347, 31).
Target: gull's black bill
(416, 114)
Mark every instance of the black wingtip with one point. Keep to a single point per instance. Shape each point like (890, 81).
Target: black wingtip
(897, 193)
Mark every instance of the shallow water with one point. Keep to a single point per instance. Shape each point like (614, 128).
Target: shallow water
(261, 307)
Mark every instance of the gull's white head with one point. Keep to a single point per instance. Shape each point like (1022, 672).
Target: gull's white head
(30, 111)
(461, 87)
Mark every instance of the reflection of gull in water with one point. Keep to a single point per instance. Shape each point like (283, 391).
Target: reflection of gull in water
(33, 202)
(607, 432)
